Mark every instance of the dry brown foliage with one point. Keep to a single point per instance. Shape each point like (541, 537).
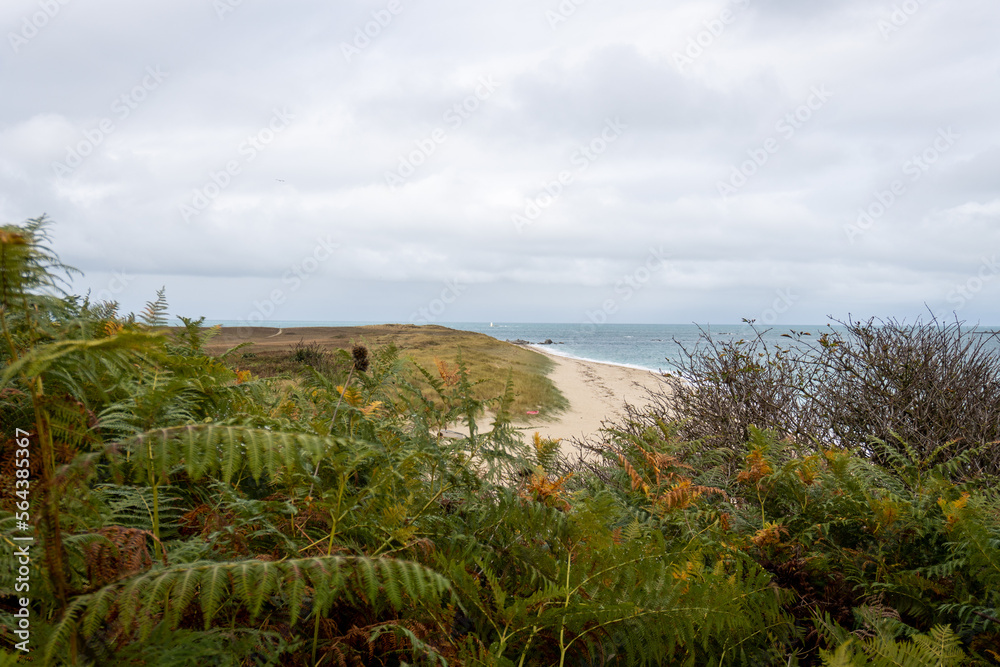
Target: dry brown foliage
(868, 387)
(123, 553)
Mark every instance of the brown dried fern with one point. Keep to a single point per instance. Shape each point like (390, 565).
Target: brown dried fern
(637, 481)
(124, 553)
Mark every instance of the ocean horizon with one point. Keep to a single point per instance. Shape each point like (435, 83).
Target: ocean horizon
(654, 347)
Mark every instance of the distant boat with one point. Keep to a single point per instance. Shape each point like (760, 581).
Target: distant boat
(491, 324)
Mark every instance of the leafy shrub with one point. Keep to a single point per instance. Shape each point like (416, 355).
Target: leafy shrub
(923, 384)
(862, 552)
(184, 512)
(310, 354)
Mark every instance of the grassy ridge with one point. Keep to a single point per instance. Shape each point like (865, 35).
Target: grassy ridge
(274, 352)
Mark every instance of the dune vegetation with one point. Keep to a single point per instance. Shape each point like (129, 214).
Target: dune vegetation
(180, 509)
(269, 352)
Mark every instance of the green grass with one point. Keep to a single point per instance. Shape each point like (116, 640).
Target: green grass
(488, 360)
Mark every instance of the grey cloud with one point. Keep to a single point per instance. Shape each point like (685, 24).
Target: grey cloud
(657, 185)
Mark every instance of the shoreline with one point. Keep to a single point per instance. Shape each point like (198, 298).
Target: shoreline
(545, 349)
(596, 392)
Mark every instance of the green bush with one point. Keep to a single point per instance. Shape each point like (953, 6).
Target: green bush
(924, 384)
(862, 552)
(184, 512)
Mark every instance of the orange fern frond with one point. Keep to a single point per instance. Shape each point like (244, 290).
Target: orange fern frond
(548, 491)
(448, 376)
(637, 481)
(757, 468)
(683, 494)
(769, 535)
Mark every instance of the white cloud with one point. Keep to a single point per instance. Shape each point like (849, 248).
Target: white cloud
(656, 185)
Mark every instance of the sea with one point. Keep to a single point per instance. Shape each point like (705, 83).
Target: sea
(655, 347)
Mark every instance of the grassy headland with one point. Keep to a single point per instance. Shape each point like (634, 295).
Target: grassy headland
(274, 352)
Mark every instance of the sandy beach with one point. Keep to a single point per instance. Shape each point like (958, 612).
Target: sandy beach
(596, 392)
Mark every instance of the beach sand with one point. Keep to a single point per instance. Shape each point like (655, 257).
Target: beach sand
(596, 392)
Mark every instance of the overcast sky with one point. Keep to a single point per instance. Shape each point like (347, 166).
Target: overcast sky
(446, 160)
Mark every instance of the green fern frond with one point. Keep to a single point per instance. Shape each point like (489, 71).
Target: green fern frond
(943, 644)
(222, 647)
(844, 656)
(193, 336)
(212, 449)
(42, 357)
(941, 648)
(27, 265)
(64, 629)
(141, 600)
(155, 313)
(132, 507)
